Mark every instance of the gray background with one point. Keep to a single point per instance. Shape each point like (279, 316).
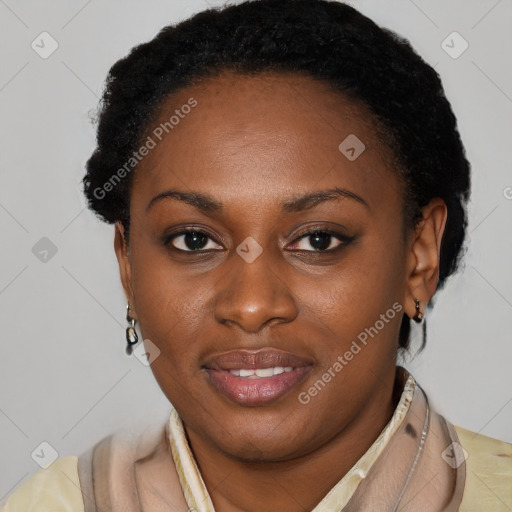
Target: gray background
(65, 378)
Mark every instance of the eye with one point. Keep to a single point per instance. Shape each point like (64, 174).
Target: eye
(321, 240)
(315, 240)
(191, 240)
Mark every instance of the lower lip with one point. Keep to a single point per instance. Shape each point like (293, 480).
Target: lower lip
(253, 392)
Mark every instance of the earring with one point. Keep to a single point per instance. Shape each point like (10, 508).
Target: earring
(131, 333)
(418, 317)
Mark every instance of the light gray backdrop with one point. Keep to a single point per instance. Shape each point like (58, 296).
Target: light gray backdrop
(65, 379)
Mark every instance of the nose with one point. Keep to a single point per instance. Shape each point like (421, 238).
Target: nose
(254, 295)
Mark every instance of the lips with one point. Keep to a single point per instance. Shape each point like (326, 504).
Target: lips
(264, 358)
(256, 378)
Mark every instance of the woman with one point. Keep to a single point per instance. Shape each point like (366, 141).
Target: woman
(288, 189)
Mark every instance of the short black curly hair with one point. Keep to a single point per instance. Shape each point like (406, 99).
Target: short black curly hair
(325, 39)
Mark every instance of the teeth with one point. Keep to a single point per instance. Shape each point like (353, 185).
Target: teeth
(265, 372)
(260, 372)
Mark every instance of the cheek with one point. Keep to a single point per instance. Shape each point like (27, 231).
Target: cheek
(358, 291)
(171, 313)
(170, 305)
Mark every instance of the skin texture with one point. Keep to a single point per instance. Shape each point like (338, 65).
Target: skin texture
(252, 143)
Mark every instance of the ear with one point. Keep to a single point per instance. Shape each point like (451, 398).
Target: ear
(423, 256)
(122, 250)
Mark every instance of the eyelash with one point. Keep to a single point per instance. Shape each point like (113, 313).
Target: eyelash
(343, 239)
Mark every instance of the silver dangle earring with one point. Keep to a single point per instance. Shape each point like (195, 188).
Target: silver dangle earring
(418, 317)
(131, 333)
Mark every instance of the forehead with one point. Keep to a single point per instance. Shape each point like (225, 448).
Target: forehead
(263, 136)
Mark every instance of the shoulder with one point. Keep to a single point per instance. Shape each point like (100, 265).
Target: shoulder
(55, 489)
(488, 472)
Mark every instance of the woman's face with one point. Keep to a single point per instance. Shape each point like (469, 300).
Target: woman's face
(253, 169)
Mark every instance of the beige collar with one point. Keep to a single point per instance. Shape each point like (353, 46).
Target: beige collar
(197, 495)
(403, 469)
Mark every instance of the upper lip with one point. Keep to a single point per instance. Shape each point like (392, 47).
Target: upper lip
(251, 360)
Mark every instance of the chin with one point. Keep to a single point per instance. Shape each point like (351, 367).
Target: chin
(257, 451)
(260, 440)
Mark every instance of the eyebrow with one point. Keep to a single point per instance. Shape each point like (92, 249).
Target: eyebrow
(208, 204)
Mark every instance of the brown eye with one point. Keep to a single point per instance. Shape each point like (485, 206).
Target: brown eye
(321, 240)
(191, 240)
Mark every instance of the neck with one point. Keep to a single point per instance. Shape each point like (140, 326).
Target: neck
(301, 483)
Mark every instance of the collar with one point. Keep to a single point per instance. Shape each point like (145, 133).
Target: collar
(196, 493)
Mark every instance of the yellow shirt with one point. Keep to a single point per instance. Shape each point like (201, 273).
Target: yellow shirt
(488, 486)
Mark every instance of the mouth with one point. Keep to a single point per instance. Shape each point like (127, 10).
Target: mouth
(256, 378)
(260, 373)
